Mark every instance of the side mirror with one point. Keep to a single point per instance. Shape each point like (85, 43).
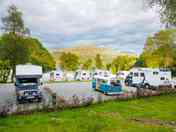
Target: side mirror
(41, 83)
(15, 84)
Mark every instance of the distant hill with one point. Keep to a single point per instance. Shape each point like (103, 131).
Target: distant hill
(88, 51)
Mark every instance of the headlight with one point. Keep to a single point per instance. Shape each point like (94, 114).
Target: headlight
(21, 93)
(26, 94)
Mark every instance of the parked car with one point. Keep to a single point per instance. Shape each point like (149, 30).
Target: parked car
(107, 85)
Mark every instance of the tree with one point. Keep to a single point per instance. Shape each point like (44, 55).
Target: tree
(13, 22)
(160, 49)
(4, 71)
(12, 47)
(98, 62)
(167, 11)
(87, 64)
(122, 62)
(69, 61)
(39, 55)
(13, 50)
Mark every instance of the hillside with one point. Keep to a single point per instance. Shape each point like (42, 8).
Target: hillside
(88, 51)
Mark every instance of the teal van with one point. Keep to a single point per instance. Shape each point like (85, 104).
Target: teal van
(107, 85)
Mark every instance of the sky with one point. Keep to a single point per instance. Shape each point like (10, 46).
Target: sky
(122, 25)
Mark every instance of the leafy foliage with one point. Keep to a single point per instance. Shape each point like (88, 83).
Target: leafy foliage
(87, 64)
(160, 50)
(98, 62)
(13, 22)
(69, 61)
(4, 71)
(167, 11)
(122, 63)
(12, 48)
(39, 55)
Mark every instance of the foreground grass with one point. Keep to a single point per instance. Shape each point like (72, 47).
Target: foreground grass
(113, 116)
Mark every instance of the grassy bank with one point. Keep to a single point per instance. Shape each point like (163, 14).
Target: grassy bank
(156, 114)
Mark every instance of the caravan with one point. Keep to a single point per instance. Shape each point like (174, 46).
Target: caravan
(148, 77)
(82, 75)
(56, 75)
(102, 73)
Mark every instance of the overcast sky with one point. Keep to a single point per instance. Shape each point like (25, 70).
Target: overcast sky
(119, 24)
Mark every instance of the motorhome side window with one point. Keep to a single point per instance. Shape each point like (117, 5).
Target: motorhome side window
(142, 74)
(162, 78)
(155, 73)
(136, 74)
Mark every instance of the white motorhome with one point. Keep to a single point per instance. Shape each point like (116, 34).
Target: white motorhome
(57, 75)
(27, 82)
(102, 73)
(82, 75)
(122, 74)
(150, 77)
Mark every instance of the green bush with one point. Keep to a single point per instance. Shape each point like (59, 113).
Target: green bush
(4, 71)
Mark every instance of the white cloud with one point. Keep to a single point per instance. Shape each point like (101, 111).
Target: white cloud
(72, 17)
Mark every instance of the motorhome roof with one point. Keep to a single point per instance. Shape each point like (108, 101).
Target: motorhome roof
(28, 70)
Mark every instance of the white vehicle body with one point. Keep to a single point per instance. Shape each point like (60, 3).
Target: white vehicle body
(69, 76)
(82, 75)
(102, 73)
(27, 82)
(46, 77)
(57, 75)
(28, 70)
(122, 74)
(152, 77)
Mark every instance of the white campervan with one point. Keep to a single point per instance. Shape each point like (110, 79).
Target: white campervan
(56, 75)
(150, 77)
(82, 75)
(102, 73)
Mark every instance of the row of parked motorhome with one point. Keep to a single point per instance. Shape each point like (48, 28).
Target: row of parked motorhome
(28, 80)
(79, 75)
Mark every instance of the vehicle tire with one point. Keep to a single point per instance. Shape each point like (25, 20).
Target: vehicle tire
(147, 86)
(39, 100)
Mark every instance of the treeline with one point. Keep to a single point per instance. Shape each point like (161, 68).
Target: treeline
(17, 47)
(160, 51)
(71, 62)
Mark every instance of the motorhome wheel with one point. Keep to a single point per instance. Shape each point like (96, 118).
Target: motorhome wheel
(147, 86)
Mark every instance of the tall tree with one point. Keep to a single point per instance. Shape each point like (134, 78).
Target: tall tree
(122, 62)
(87, 64)
(167, 11)
(98, 62)
(13, 22)
(12, 48)
(160, 50)
(69, 61)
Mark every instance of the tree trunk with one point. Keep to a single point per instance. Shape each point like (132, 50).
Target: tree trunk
(13, 73)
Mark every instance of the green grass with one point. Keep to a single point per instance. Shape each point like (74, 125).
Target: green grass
(113, 116)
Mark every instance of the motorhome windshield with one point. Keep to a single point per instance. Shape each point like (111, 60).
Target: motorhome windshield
(27, 81)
